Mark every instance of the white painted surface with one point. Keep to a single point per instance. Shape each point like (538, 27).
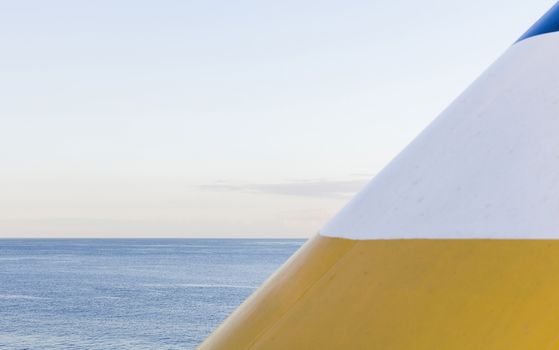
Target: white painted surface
(487, 167)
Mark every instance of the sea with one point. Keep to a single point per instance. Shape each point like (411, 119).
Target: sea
(127, 293)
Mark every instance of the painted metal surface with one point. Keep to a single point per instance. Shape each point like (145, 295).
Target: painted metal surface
(487, 167)
(549, 23)
(404, 294)
(278, 295)
(454, 245)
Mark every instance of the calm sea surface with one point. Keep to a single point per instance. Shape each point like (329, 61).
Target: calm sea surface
(126, 294)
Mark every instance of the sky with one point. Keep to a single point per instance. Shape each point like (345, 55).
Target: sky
(221, 118)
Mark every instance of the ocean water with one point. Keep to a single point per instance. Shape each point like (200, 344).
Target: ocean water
(127, 294)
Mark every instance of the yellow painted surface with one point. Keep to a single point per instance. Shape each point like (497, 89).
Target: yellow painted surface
(404, 295)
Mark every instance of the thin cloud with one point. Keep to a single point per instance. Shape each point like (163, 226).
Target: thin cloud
(304, 188)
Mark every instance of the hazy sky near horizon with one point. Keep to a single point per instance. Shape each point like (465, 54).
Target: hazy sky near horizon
(222, 118)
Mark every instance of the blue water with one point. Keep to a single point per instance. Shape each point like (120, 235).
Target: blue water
(126, 294)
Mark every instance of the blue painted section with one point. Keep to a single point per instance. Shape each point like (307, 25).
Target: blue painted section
(549, 23)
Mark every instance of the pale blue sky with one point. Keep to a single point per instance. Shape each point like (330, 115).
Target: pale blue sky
(222, 118)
